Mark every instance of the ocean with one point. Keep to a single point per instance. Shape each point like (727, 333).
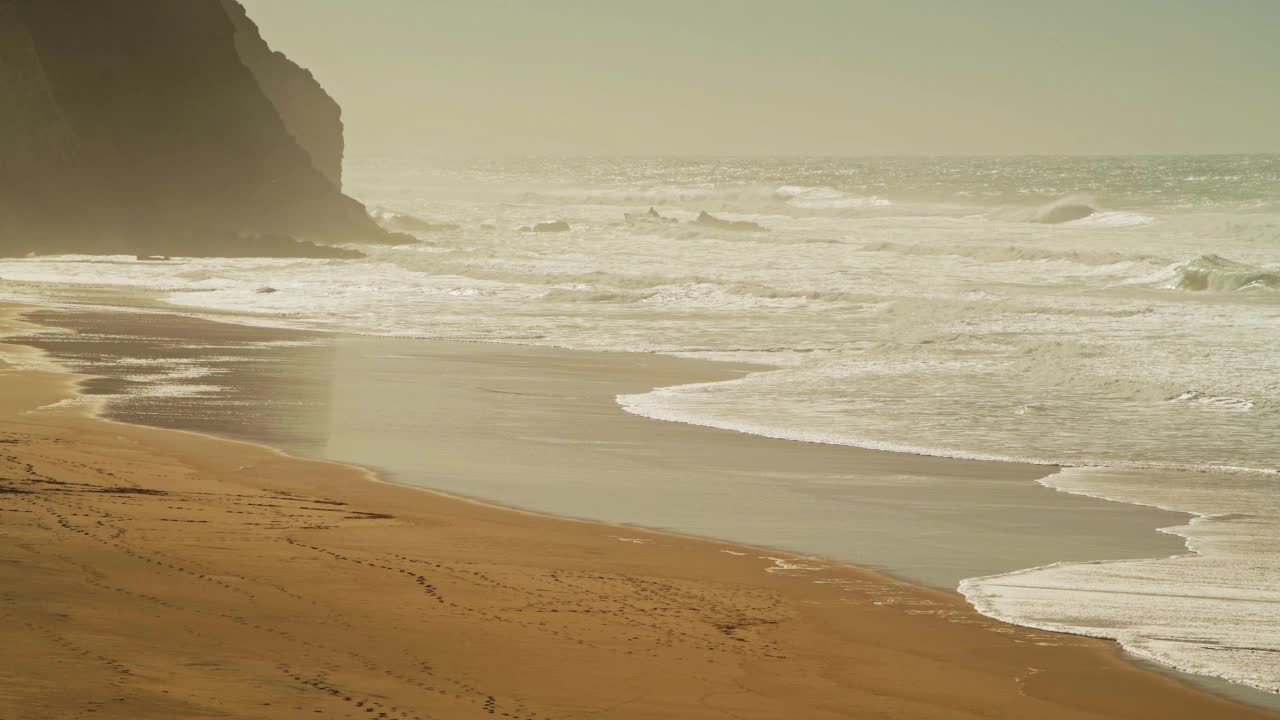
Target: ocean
(1115, 316)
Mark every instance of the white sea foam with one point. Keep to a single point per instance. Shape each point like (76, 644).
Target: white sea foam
(654, 405)
(825, 198)
(1213, 273)
(1213, 611)
(789, 565)
(1114, 219)
(71, 403)
(1217, 403)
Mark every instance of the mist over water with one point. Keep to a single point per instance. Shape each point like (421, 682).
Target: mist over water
(1120, 313)
(913, 303)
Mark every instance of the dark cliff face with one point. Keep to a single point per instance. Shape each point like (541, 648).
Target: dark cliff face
(37, 146)
(310, 115)
(137, 128)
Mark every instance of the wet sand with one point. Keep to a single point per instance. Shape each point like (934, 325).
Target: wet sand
(436, 414)
(152, 573)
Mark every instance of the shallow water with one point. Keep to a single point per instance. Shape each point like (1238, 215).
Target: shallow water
(438, 414)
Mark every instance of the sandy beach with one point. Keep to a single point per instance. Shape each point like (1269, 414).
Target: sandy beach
(152, 573)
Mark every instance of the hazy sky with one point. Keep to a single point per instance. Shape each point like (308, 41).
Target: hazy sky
(487, 77)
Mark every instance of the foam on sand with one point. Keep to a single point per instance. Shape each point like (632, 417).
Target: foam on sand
(1213, 611)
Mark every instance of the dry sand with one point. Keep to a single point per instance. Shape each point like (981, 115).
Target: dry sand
(150, 573)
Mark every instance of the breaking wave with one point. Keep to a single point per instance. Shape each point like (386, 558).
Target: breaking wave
(1078, 211)
(782, 200)
(1210, 611)
(1213, 273)
(1065, 210)
(1115, 219)
(825, 198)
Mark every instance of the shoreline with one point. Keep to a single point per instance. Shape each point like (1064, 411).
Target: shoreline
(1072, 515)
(136, 300)
(844, 576)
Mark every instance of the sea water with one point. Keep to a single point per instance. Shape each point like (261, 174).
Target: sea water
(915, 305)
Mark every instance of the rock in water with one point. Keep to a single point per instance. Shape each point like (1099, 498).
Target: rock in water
(551, 227)
(651, 217)
(709, 220)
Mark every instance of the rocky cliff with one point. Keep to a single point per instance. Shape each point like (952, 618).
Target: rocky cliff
(311, 116)
(161, 127)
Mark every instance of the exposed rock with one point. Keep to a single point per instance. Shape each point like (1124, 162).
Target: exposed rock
(709, 220)
(135, 128)
(651, 217)
(551, 227)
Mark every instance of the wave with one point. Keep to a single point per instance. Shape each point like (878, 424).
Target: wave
(825, 198)
(772, 293)
(1160, 608)
(1213, 273)
(703, 291)
(1013, 253)
(1068, 209)
(1082, 211)
(651, 405)
(594, 295)
(657, 195)
(667, 404)
(760, 199)
(1214, 401)
(1114, 219)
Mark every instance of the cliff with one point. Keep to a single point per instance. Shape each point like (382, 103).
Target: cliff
(135, 126)
(36, 144)
(311, 116)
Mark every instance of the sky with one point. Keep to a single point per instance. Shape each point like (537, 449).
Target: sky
(803, 77)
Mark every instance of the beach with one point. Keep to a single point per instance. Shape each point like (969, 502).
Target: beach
(175, 574)
(1108, 378)
(440, 360)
